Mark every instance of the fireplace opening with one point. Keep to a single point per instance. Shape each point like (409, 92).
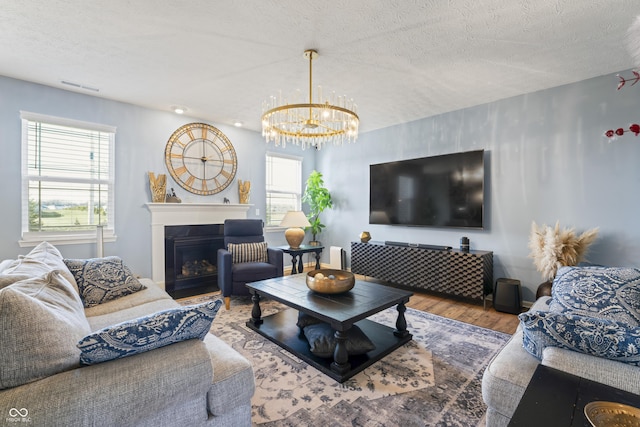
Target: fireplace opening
(191, 253)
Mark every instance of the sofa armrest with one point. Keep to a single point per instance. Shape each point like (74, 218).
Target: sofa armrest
(127, 391)
(616, 374)
(275, 258)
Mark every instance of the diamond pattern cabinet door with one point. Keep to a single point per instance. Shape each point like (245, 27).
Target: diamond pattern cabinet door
(366, 260)
(469, 274)
(464, 274)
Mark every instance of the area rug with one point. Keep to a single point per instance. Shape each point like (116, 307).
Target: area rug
(434, 380)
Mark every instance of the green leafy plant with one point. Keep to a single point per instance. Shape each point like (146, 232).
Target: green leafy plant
(318, 198)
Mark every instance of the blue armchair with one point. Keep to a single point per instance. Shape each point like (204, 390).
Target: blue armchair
(232, 276)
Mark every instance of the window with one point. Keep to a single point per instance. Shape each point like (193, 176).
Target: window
(284, 186)
(67, 179)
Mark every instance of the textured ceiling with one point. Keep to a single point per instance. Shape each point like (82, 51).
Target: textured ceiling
(400, 60)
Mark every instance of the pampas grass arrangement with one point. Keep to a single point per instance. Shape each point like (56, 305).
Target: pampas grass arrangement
(552, 247)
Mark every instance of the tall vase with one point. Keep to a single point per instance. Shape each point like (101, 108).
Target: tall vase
(158, 187)
(244, 190)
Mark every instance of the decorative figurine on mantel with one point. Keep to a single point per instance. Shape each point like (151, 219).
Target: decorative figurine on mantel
(172, 198)
(244, 189)
(158, 187)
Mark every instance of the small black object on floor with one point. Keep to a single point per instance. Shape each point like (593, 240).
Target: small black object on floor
(507, 296)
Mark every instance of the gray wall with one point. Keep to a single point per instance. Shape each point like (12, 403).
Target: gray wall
(547, 161)
(140, 140)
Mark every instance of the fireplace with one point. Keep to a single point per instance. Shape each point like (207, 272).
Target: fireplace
(167, 214)
(191, 253)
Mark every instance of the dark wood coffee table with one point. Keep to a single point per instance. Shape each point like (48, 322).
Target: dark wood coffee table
(340, 311)
(557, 398)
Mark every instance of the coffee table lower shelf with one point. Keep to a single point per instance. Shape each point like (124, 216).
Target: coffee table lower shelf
(281, 329)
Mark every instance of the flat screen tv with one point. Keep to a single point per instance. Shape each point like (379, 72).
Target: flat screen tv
(436, 191)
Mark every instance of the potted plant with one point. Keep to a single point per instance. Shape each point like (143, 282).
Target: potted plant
(318, 198)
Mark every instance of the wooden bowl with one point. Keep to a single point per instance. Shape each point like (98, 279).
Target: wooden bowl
(329, 281)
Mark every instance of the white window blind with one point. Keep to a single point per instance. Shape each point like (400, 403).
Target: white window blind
(284, 186)
(67, 175)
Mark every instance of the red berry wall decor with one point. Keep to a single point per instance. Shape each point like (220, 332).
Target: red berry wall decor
(634, 128)
(634, 80)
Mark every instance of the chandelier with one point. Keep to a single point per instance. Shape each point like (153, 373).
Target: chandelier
(322, 120)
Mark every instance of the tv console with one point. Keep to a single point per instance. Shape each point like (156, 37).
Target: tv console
(454, 272)
(419, 245)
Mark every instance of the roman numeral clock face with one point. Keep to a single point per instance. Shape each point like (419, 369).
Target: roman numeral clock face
(201, 159)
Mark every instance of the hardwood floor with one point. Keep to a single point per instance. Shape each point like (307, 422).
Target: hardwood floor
(464, 311)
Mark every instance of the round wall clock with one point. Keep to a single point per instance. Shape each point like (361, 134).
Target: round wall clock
(201, 159)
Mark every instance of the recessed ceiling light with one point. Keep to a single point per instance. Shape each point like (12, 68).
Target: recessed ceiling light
(238, 124)
(179, 110)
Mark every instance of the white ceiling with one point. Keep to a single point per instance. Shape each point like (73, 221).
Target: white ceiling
(400, 60)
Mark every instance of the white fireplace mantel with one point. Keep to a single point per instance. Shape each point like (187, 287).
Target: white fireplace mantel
(163, 214)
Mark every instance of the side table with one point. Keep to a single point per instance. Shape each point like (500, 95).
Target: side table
(297, 266)
(557, 398)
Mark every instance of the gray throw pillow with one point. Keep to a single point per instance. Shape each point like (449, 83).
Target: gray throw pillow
(306, 320)
(323, 342)
(102, 279)
(41, 321)
(41, 260)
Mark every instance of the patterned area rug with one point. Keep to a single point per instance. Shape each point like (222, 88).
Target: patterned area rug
(434, 380)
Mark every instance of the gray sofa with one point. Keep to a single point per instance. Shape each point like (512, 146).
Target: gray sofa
(192, 382)
(509, 372)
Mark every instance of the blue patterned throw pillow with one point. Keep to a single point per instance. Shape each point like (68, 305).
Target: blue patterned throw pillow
(604, 292)
(148, 333)
(102, 279)
(598, 337)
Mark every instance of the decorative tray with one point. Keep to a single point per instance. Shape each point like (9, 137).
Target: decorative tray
(611, 414)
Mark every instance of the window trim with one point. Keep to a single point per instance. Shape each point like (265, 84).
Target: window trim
(33, 238)
(274, 228)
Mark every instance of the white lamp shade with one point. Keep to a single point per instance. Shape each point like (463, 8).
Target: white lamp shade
(295, 219)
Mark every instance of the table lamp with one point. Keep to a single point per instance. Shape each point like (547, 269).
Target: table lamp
(295, 220)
